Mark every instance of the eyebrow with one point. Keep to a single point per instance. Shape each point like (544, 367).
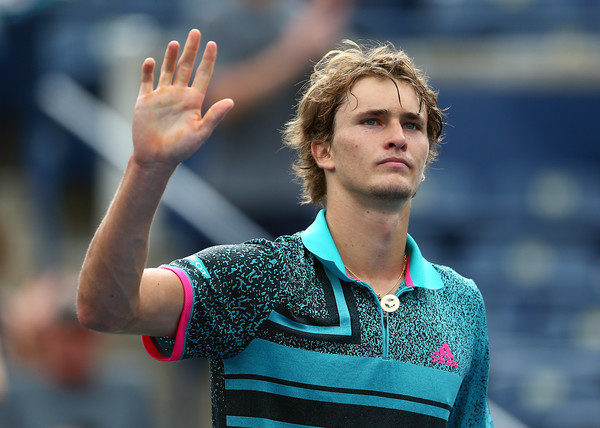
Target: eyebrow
(409, 115)
(374, 112)
(417, 117)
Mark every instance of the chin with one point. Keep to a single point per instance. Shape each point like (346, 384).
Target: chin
(394, 192)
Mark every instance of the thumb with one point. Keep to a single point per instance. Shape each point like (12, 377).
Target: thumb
(214, 115)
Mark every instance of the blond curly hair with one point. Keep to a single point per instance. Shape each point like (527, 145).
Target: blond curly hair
(329, 86)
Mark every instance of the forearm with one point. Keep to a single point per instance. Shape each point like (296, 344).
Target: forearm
(115, 293)
(258, 78)
(312, 32)
(108, 295)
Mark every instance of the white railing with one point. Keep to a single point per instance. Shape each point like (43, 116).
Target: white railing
(82, 114)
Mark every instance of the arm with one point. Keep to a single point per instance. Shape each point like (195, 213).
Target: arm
(311, 33)
(116, 293)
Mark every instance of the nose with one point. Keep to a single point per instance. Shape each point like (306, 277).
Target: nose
(395, 138)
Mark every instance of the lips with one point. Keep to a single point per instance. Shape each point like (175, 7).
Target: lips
(394, 162)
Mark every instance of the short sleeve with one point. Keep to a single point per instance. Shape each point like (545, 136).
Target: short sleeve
(228, 292)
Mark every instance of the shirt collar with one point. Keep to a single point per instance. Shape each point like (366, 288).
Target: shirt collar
(318, 240)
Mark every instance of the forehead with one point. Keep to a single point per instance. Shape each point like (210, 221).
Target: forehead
(381, 93)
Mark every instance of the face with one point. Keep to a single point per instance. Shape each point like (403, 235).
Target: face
(379, 147)
(71, 353)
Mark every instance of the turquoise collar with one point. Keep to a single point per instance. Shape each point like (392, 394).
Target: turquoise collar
(317, 239)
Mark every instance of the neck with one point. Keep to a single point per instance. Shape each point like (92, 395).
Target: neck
(371, 242)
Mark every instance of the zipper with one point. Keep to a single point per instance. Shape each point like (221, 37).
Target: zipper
(385, 336)
(385, 346)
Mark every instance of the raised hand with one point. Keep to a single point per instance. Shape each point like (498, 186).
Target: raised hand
(168, 123)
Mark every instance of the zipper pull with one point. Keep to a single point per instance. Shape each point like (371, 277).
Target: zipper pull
(389, 303)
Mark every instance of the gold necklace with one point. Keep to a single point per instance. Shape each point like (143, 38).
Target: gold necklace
(397, 283)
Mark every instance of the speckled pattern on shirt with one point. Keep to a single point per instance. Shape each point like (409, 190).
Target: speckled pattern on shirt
(251, 283)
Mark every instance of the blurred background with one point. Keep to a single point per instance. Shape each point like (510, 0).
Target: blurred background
(513, 202)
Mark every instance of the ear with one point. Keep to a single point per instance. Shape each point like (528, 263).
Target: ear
(321, 152)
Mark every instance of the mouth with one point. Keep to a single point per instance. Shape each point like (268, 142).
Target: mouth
(394, 162)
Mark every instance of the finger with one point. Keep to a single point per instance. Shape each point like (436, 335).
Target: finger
(147, 79)
(214, 115)
(167, 69)
(206, 67)
(185, 66)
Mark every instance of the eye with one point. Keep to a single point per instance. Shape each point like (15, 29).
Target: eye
(370, 122)
(412, 126)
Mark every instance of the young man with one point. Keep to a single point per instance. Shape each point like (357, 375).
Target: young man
(344, 324)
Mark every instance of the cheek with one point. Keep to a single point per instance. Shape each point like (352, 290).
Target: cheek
(427, 154)
(420, 149)
(345, 148)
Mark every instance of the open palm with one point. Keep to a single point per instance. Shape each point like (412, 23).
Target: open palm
(168, 124)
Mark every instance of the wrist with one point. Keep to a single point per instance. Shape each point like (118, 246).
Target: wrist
(151, 170)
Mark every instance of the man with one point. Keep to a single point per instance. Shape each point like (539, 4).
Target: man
(344, 324)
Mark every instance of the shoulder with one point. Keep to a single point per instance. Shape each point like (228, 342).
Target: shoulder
(281, 245)
(259, 256)
(453, 279)
(458, 286)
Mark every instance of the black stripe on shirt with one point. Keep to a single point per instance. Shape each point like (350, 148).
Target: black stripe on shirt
(264, 405)
(341, 390)
(333, 318)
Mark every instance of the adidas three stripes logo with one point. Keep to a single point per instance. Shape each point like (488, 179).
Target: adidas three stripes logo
(444, 356)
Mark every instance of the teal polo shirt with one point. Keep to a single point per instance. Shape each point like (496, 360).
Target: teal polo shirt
(294, 342)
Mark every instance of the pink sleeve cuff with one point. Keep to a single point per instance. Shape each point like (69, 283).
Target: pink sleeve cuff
(151, 344)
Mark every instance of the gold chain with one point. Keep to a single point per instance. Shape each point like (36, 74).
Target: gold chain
(396, 284)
